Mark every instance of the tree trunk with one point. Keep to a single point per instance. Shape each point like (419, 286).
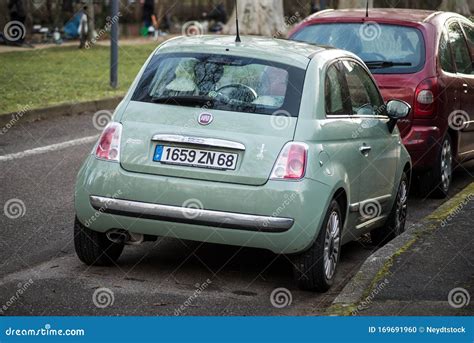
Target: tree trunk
(259, 17)
(158, 12)
(90, 20)
(458, 6)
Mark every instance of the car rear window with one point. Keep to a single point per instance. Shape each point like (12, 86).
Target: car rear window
(401, 48)
(221, 82)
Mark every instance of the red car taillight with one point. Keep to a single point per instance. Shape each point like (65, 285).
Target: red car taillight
(425, 98)
(291, 163)
(108, 147)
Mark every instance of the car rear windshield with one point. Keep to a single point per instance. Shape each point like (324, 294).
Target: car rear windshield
(222, 82)
(386, 49)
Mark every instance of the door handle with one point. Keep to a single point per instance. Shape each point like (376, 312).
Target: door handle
(365, 150)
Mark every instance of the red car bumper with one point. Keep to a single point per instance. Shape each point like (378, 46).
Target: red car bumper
(423, 144)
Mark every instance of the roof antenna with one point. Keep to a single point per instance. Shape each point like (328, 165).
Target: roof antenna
(237, 39)
(367, 9)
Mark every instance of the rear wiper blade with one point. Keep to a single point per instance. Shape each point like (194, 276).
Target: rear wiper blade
(183, 99)
(386, 64)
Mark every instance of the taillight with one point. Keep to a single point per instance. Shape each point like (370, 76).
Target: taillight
(291, 163)
(425, 98)
(108, 147)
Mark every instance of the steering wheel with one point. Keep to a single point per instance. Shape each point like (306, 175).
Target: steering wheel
(248, 93)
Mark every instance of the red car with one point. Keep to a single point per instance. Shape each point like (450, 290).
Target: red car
(425, 58)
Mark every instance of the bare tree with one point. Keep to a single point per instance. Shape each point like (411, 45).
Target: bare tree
(258, 17)
(159, 11)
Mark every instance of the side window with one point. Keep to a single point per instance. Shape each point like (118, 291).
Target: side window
(469, 30)
(334, 92)
(462, 56)
(469, 33)
(445, 56)
(364, 94)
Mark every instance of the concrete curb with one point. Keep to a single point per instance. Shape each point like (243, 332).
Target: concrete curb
(66, 109)
(377, 265)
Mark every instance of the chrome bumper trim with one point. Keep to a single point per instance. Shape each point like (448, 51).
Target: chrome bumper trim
(227, 220)
(202, 141)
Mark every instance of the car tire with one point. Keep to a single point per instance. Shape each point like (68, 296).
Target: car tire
(315, 269)
(396, 221)
(94, 248)
(444, 170)
(436, 183)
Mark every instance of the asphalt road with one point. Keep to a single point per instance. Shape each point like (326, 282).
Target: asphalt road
(40, 275)
(435, 275)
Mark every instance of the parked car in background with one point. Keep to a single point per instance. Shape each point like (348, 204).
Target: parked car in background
(424, 58)
(267, 143)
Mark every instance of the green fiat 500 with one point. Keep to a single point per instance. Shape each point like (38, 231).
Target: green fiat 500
(263, 143)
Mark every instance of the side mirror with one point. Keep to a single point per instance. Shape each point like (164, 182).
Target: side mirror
(396, 110)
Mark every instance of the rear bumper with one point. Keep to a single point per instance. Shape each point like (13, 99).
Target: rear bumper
(189, 215)
(422, 142)
(284, 217)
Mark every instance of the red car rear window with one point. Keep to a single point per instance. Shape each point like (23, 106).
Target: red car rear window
(387, 49)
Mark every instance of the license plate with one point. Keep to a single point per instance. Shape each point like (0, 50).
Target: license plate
(195, 157)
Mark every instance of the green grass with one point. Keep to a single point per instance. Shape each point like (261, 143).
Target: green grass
(65, 74)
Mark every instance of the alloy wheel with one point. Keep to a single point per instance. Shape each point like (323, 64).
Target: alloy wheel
(446, 165)
(332, 244)
(402, 207)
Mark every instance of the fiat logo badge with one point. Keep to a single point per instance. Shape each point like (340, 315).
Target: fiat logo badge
(205, 118)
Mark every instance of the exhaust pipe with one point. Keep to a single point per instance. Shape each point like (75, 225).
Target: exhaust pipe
(120, 236)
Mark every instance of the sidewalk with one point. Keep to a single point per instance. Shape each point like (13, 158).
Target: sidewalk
(420, 279)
